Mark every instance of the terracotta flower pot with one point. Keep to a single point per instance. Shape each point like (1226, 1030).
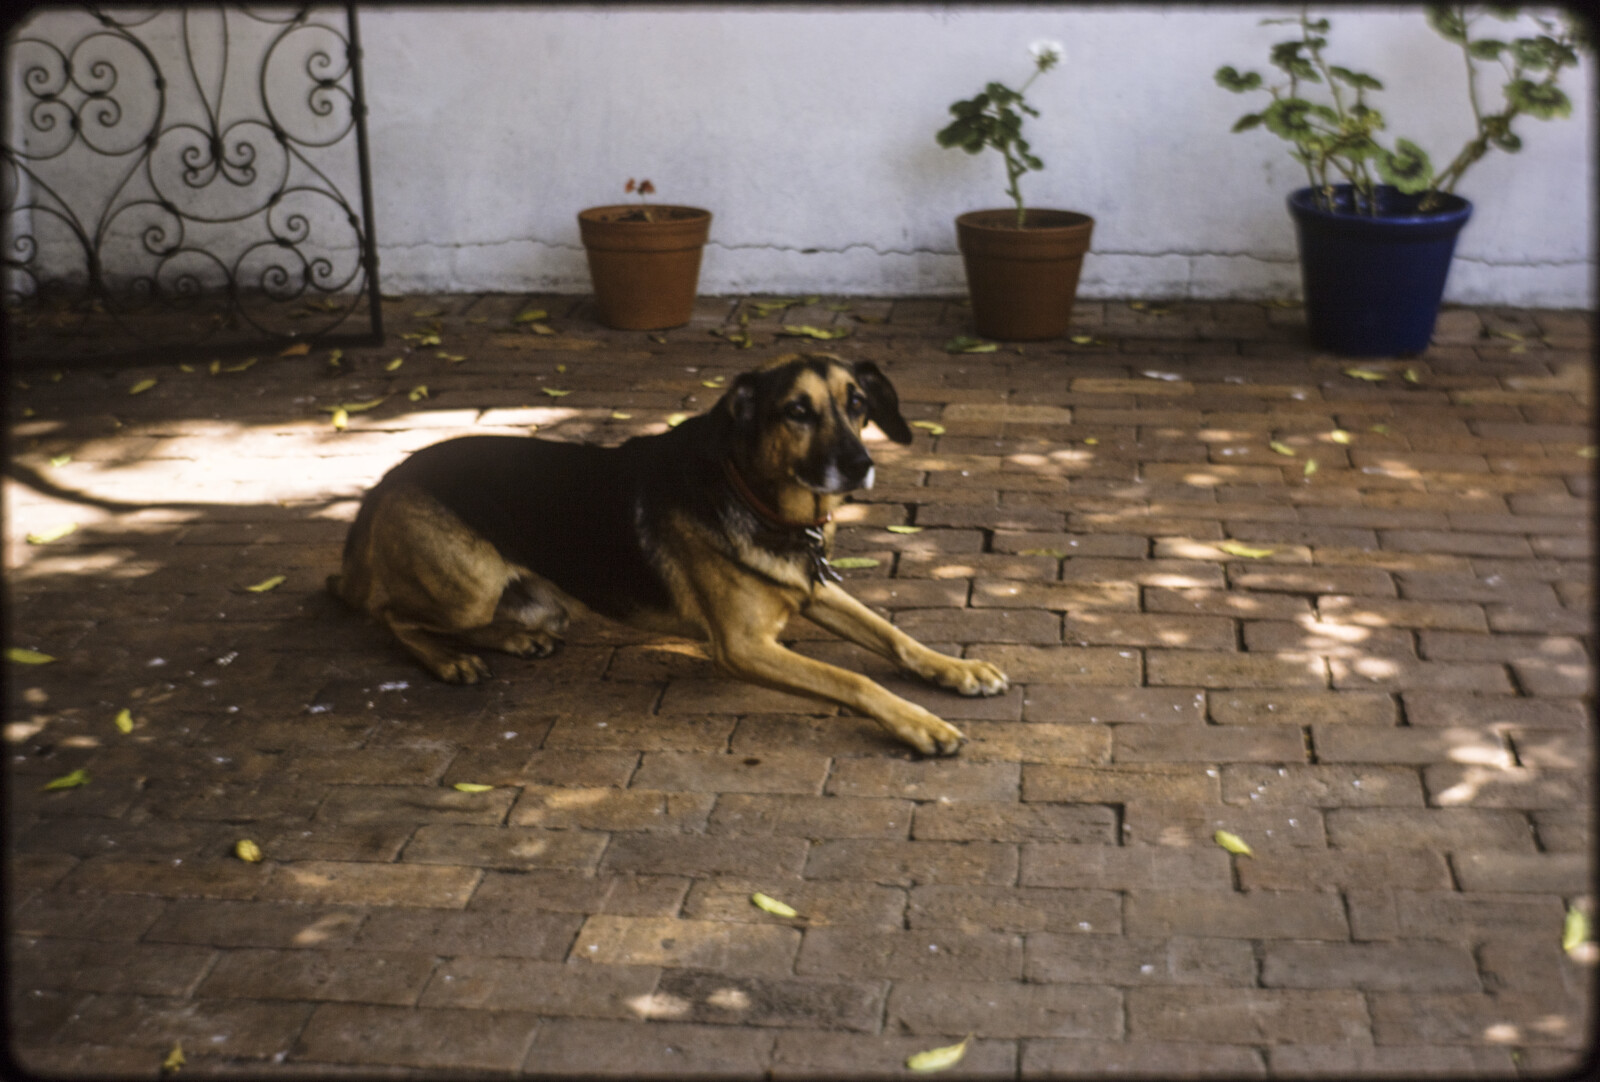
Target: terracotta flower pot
(645, 273)
(1022, 281)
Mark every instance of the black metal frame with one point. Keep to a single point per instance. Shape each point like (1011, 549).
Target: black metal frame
(223, 214)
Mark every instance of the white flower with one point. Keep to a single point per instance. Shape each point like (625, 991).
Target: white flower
(1046, 53)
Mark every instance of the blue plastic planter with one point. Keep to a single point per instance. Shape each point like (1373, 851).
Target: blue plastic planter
(1373, 283)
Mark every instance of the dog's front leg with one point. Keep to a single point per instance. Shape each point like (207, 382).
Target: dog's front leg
(765, 661)
(834, 608)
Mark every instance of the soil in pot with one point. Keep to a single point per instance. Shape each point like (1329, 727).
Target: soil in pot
(1023, 281)
(644, 263)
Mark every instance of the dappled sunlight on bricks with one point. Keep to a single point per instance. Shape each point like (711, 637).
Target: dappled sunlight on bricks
(1377, 674)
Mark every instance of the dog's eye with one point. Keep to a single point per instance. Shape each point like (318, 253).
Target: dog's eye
(798, 410)
(856, 402)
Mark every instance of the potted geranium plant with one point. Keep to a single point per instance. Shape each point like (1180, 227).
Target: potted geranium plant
(1022, 263)
(1376, 225)
(644, 260)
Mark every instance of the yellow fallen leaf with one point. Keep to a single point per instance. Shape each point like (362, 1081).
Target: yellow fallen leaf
(247, 851)
(1092, 441)
(541, 328)
(174, 1060)
(186, 368)
(299, 349)
(472, 787)
(341, 419)
(1575, 930)
(717, 382)
(1056, 553)
(932, 427)
(939, 1059)
(659, 339)
(142, 386)
(362, 407)
(1237, 548)
(68, 781)
(805, 330)
(850, 562)
(772, 905)
(904, 529)
(676, 419)
(530, 315)
(1582, 452)
(23, 656)
(214, 367)
(396, 363)
(1232, 843)
(419, 392)
(452, 358)
(1281, 448)
(618, 415)
(124, 720)
(1367, 374)
(244, 364)
(962, 343)
(427, 313)
(1085, 340)
(54, 533)
(60, 460)
(1382, 430)
(1411, 376)
(1339, 435)
(561, 368)
(1498, 333)
(334, 357)
(1311, 467)
(267, 584)
(554, 393)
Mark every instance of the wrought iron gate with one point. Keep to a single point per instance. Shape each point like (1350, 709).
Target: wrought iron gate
(176, 179)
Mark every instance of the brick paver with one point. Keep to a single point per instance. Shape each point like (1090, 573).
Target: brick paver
(1377, 673)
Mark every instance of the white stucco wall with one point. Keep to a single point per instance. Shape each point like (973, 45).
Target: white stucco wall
(809, 133)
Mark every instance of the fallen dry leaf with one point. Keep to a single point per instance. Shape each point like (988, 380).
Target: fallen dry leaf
(939, 1059)
(848, 563)
(54, 533)
(60, 460)
(68, 781)
(772, 905)
(904, 529)
(174, 1061)
(419, 392)
(1367, 374)
(933, 427)
(267, 584)
(396, 363)
(554, 392)
(1339, 435)
(1232, 843)
(472, 787)
(1281, 448)
(341, 419)
(1236, 548)
(1575, 930)
(962, 343)
(247, 851)
(142, 386)
(676, 419)
(124, 720)
(23, 656)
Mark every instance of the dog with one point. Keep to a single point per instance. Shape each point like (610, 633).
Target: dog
(718, 529)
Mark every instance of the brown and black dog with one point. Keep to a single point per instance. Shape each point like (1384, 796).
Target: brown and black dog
(718, 529)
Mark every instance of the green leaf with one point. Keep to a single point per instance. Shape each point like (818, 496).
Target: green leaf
(124, 720)
(1486, 49)
(933, 427)
(267, 584)
(1538, 100)
(904, 529)
(1281, 448)
(1238, 82)
(68, 781)
(23, 656)
(851, 563)
(1286, 118)
(1356, 79)
(1246, 122)
(1407, 167)
(471, 787)
(1448, 21)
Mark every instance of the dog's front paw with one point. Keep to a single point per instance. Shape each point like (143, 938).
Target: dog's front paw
(462, 669)
(974, 678)
(924, 731)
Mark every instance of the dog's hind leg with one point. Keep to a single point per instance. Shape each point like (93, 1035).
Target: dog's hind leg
(529, 621)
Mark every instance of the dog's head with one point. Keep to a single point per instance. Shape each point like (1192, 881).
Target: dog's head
(798, 419)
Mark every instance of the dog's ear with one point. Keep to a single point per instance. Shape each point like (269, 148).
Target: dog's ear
(883, 405)
(739, 402)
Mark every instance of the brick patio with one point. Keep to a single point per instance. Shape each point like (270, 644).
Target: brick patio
(1385, 693)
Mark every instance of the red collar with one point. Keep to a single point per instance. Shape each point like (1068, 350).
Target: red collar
(772, 517)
